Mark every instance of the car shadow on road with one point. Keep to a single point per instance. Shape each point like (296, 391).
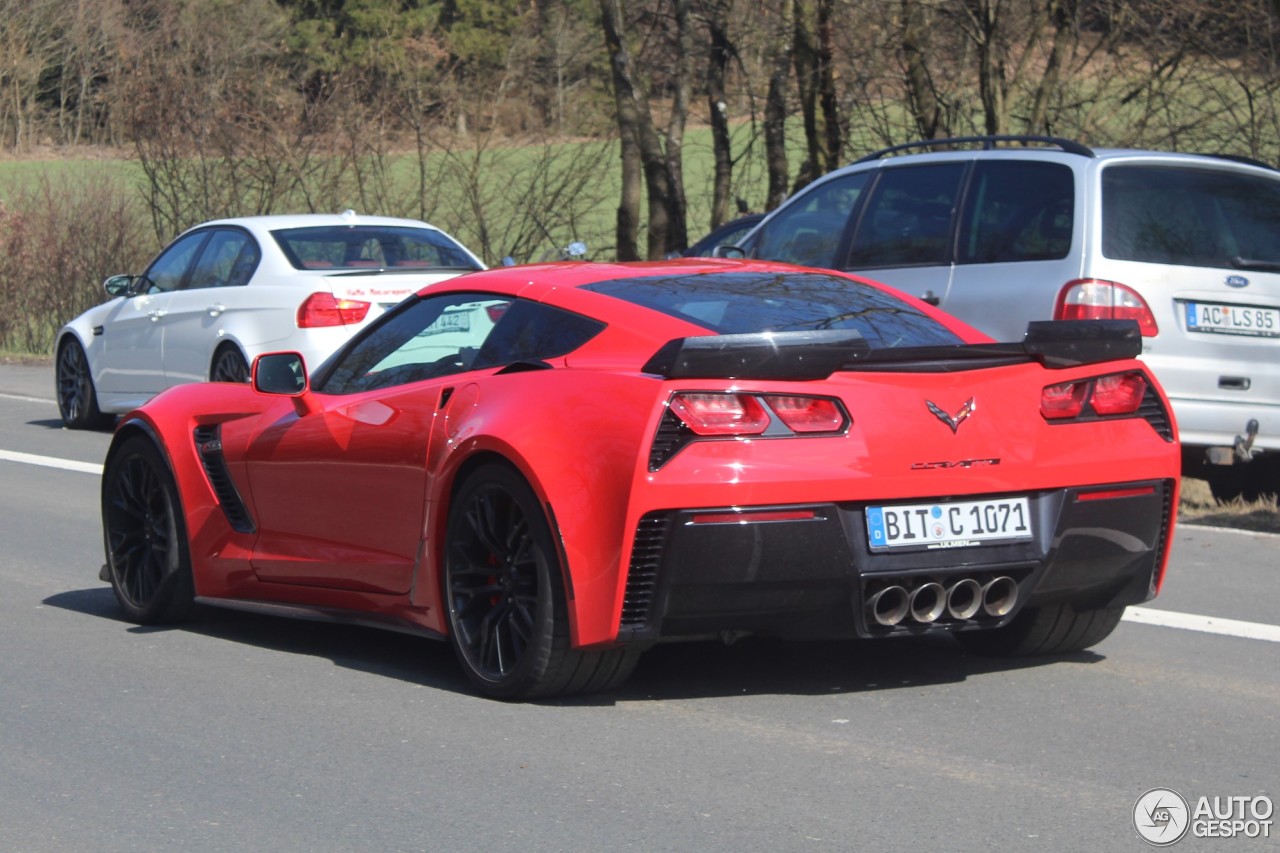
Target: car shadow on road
(752, 666)
(405, 657)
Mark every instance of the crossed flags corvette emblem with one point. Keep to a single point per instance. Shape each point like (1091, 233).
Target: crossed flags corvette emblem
(955, 420)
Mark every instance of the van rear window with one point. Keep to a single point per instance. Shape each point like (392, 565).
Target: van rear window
(1190, 216)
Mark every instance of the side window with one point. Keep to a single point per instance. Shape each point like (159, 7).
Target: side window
(452, 333)
(529, 331)
(907, 219)
(167, 271)
(1017, 211)
(227, 260)
(808, 230)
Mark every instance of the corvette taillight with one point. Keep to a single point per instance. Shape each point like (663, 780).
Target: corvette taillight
(807, 414)
(1120, 394)
(721, 414)
(1065, 400)
(1094, 299)
(708, 415)
(1116, 394)
(322, 309)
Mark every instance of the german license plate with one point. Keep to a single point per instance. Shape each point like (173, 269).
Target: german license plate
(957, 524)
(1233, 319)
(450, 321)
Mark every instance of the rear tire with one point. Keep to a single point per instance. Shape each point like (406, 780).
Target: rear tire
(1051, 630)
(148, 559)
(505, 599)
(77, 398)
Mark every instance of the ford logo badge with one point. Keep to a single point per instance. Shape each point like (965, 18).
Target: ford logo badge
(1237, 281)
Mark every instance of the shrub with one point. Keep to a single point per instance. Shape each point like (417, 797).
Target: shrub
(60, 236)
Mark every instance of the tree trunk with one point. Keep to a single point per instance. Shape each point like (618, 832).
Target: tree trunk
(718, 108)
(922, 95)
(677, 233)
(628, 222)
(775, 107)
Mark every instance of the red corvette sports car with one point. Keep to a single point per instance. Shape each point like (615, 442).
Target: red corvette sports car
(557, 466)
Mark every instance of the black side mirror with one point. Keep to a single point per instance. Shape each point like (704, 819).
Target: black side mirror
(280, 373)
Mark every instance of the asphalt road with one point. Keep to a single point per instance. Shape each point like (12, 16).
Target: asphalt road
(251, 733)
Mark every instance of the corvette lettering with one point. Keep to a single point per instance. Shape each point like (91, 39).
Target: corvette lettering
(958, 463)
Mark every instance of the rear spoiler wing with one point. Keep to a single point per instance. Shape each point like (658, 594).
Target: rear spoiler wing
(813, 355)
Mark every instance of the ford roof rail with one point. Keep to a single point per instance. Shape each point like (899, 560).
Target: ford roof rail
(1242, 158)
(987, 142)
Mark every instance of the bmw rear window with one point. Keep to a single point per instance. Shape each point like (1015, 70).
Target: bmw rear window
(749, 302)
(1190, 217)
(352, 247)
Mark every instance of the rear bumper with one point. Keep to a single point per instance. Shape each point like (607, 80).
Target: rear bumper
(807, 571)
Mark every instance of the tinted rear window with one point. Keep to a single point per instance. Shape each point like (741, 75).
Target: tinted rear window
(1189, 217)
(747, 302)
(371, 247)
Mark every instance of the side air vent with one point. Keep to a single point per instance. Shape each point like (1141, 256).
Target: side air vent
(1152, 410)
(642, 575)
(1166, 522)
(672, 435)
(209, 448)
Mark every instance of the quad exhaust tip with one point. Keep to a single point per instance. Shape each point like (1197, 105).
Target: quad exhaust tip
(928, 601)
(964, 599)
(999, 596)
(889, 606)
(961, 600)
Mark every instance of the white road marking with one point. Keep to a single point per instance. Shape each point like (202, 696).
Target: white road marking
(26, 399)
(51, 462)
(1203, 624)
(1139, 615)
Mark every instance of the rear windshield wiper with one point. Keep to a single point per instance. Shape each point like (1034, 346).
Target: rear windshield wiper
(1254, 264)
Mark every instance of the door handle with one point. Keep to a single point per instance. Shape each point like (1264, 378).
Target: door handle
(216, 309)
(156, 315)
(929, 298)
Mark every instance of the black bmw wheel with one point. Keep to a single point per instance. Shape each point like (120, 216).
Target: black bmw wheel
(505, 597)
(229, 366)
(77, 399)
(148, 561)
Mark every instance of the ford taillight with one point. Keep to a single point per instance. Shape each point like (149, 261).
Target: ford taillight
(1094, 299)
(323, 309)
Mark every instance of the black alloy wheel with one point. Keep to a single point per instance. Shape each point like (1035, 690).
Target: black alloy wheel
(229, 366)
(77, 399)
(505, 597)
(148, 560)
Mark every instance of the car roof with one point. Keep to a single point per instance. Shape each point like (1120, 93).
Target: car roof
(276, 222)
(563, 284)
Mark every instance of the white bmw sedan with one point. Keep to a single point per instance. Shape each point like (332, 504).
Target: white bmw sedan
(228, 290)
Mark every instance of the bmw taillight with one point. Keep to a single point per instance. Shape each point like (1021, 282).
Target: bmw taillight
(323, 309)
(1094, 299)
(1114, 395)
